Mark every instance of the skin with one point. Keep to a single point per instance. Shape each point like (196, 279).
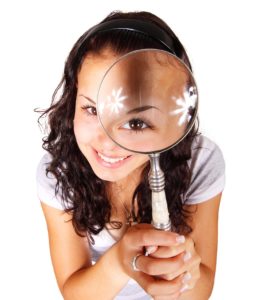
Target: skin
(89, 133)
(162, 273)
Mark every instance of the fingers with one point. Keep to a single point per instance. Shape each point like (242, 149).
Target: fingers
(189, 277)
(146, 235)
(168, 266)
(164, 286)
(193, 275)
(185, 264)
(170, 289)
(139, 236)
(172, 266)
(190, 268)
(165, 252)
(185, 244)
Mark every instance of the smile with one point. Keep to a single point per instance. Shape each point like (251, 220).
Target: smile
(111, 160)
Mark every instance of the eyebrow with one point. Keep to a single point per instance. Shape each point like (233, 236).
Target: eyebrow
(134, 110)
(87, 98)
(140, 109)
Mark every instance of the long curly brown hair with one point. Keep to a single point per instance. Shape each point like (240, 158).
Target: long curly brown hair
(84, 192)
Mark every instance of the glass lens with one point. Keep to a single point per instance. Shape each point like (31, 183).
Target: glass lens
(147, 101)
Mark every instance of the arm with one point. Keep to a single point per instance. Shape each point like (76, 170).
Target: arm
(78, 279)
(70, 254)
(205, 235)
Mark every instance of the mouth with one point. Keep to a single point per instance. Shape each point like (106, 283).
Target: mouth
(110, 161)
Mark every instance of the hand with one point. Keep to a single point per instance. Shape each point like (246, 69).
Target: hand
(160, 274)
(186, 259)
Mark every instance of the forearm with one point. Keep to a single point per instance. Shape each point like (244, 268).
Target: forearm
(203, 288)
(101, 281)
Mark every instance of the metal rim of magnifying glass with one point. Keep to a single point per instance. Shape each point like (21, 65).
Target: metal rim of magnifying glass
(194, 117)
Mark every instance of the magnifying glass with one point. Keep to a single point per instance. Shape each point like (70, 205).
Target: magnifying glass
(147, 103)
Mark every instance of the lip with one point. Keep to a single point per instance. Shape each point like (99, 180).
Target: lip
(110, 165)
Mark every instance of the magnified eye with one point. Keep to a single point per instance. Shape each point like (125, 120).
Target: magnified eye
(136, 125)
(90, 110)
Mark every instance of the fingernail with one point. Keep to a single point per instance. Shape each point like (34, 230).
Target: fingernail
(186, 277)
(150, 249)
(187, 256)
(184, 288)
(180, 239)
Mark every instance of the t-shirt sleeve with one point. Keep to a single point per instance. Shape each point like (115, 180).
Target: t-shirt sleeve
(208, 171)
(46, 184)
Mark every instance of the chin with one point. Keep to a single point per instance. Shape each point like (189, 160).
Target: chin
(110, 176)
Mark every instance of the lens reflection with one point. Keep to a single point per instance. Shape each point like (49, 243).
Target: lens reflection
(147, 101)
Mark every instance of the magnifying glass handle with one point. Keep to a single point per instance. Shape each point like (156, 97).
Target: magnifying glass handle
(160, 213)
(160, 216)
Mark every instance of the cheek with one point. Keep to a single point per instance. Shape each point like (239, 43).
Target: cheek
(142, 160)
(84, 131)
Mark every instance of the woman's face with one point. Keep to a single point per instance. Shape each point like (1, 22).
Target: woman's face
(109, 161)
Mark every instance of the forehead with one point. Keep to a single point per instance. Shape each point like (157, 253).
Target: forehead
(158, 70)
(93, 68)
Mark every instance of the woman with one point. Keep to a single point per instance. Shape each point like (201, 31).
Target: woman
(95, 195)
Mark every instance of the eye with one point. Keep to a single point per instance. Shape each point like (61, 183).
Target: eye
(90, 110)
(136, 125)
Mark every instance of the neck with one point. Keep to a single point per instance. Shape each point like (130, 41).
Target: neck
(125, 187)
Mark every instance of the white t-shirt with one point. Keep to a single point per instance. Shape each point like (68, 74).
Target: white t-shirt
(208, 179)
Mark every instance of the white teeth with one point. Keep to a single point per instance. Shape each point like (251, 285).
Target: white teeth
(110, 160)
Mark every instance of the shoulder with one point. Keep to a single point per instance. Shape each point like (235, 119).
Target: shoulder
(205, 153)
(207, 166)
(204, 145)
(46, 184)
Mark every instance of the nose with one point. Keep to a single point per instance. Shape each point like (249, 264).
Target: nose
(105, 142)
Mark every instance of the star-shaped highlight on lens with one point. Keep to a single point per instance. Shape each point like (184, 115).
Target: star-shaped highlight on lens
(187, 105)
(115, 100)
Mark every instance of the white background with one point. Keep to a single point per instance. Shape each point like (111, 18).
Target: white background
(35, 39)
